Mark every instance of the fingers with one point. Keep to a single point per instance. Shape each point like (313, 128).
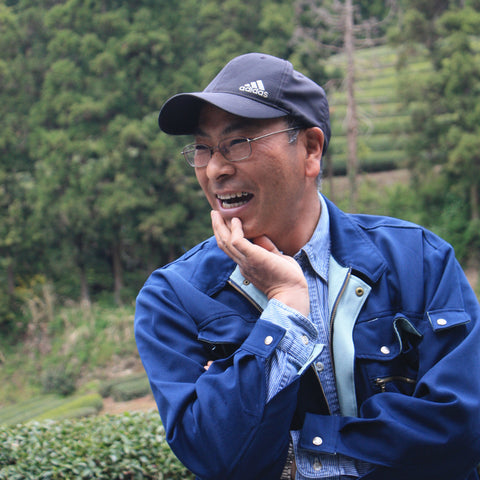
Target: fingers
(230, 238)
(207, 366)
(219, 228)
(276, 275)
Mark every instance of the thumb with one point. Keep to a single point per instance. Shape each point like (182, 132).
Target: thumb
(264, 242)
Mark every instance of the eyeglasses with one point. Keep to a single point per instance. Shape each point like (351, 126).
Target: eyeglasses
(233, 149)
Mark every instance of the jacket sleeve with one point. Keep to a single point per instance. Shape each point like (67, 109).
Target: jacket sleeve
(435, 433)
(217, 421)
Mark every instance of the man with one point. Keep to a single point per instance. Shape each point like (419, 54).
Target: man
(302, 342)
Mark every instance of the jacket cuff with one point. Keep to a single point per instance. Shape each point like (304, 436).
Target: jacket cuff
(320, 433)
(263, 339)
(301, 336)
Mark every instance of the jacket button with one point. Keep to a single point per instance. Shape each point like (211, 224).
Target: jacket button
(359, 291)
(385, 350)
(319, 366)
(268, 340)
(441, 322)
(317, 441)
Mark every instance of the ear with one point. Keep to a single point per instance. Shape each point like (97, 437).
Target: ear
(313, 151)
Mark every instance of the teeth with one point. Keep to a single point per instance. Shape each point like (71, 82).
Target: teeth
(228, 196)
(233, 200)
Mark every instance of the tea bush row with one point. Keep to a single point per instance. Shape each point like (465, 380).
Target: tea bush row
(126, 388)
(51, 407)
(75, 407)
(108, 447)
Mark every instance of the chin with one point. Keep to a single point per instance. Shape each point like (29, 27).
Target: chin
(252, 233)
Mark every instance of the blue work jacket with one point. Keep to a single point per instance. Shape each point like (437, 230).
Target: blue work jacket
(404, 338)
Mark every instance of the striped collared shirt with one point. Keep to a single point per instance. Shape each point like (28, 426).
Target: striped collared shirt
(306, 343)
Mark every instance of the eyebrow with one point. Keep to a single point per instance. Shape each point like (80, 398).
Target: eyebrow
(233, 127)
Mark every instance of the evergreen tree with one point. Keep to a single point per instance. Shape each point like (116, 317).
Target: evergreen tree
(22, 47)
(443, 149)
(93, 196)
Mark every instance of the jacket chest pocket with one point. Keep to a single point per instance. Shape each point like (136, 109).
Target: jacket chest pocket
(223, 334)
(386, 351)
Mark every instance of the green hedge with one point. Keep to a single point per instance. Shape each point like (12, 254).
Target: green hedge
(108, 447)
(74, 407)
(28, 409)
(57, 407)
(51, 407)
(126, 388)
(130, 390)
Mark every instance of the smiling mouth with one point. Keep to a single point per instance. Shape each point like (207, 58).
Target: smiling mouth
(233, 200)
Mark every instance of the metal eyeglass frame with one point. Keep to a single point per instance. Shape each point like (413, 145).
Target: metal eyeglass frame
(224, 149)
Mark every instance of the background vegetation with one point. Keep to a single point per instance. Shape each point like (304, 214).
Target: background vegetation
(128, 447)
(93, 197)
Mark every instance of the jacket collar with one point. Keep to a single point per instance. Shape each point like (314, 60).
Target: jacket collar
(350, 245)
(212, 267)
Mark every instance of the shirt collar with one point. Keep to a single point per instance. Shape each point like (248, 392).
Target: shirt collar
(317, 249)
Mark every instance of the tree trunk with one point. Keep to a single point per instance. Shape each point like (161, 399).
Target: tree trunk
(10, 278)
(84, 293)
(329, 176)
(117, 272)
(352, 123)
(475, 214)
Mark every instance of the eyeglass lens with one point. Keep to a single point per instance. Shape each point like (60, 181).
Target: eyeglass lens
(232, 149)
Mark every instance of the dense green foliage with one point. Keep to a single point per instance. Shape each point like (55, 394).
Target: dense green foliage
(444, 147)
(93, 197)
(128, 447)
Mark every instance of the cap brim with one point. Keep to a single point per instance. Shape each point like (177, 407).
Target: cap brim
(179, 115)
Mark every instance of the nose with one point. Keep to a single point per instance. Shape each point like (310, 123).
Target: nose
(218, 166)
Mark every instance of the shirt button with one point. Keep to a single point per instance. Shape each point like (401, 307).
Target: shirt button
(246, 282)
(317, 441)
(317, 466)
(385, 350)
(305, 339)
(359, 291)
(441, 322)
(319, 366)
(268, 340)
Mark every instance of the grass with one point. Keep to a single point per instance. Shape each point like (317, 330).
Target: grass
(88, 345)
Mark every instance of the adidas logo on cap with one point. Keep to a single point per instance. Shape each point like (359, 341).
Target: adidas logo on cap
(255, 87)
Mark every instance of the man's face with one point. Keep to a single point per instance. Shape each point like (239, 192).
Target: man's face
(267, 191)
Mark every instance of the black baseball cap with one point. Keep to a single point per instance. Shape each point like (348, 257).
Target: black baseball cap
(254, 85)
